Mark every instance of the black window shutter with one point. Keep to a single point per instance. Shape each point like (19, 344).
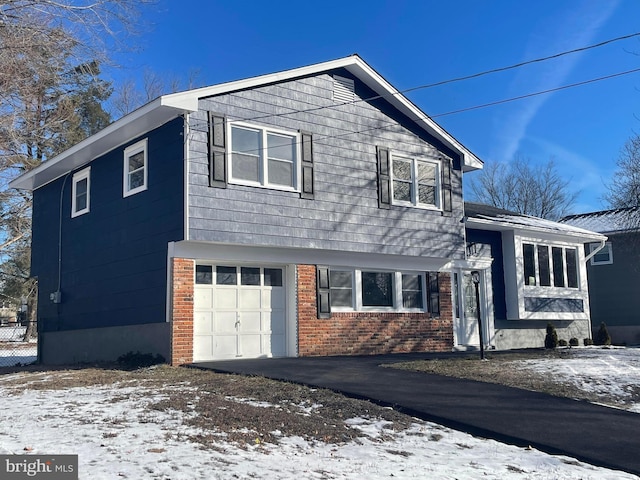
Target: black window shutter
(446, 184)
(384, 178)
(323, 292)
(434, 293)
(307, 165)
(217, 151)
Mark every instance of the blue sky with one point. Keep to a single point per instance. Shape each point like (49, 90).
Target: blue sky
(413, 43)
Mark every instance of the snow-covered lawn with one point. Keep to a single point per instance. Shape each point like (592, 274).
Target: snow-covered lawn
(115, 436)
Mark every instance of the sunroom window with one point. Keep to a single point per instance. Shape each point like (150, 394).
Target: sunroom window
(550, 266)
(416, 182)
(263, 157)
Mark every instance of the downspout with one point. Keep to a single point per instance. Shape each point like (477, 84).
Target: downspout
(593, 253)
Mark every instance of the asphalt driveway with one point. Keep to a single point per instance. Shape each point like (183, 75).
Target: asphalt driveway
(594, 434)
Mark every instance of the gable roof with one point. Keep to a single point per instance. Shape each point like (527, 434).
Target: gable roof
(168, 107)
(486, 217)
(607, 221)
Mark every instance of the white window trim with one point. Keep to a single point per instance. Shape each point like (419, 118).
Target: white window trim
(131, 150)
(78, 177)
(552, 287)
(263, 158)
(414, 182)
(607, 248)
(356, 292)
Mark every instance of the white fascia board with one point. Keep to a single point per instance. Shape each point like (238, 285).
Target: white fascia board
(130, 126)
(379, 85)
(576, 236)
(276, 255)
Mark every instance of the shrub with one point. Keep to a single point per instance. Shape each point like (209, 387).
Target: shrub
(602, 336)
(574, 342)
(551, 339)
(562, 342)
(588, 342)
(132, 360)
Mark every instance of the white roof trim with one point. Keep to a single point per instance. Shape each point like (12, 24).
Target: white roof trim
(167, 107)
(580, 235)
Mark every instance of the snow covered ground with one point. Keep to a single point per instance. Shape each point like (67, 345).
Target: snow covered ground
(115, 437)
(13, 351)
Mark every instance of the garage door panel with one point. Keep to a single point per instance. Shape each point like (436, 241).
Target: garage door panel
(249, 298)
(225, 346)
(226, 298)
(203, 298)
(225, 322)
(202, 347)
(250, 322)
(203, 324)
(251, 345)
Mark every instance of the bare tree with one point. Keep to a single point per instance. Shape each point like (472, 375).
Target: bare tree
(624, 189)
(523, 188)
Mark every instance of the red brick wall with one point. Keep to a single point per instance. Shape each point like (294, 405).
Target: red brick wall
(365, 333)
(182, 311)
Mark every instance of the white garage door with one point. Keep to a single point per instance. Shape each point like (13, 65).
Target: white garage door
(239, 311)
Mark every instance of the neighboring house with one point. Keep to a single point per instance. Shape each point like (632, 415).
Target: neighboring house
(614, 272)
(535, 274)
(314, 211)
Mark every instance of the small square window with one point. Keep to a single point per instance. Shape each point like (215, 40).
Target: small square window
(250, 276)
(273, 277)
(135, 168)
(226, 276)
(604, 256)
(80, 192)
(204, 274)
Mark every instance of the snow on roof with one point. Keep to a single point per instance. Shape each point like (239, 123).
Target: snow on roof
(502, 219)
(606, 221)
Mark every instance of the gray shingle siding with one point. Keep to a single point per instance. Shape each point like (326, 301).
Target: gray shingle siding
(344, 213)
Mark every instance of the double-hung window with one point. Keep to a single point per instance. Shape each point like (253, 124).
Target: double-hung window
(264, 157)
(80, 192)
(354, 289)
(135, 168)
(416, 182)
(550, 266)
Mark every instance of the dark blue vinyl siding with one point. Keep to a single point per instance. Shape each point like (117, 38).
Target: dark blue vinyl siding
(114, 258)
(488, 244)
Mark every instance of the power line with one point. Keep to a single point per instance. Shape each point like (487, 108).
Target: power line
(453, 80)
(542, 92)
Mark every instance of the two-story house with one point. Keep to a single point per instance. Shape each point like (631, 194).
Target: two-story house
(313, 211)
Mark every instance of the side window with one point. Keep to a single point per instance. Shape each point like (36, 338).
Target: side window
(550, 266)
(416, 182)
(80, 192)
(135, 168)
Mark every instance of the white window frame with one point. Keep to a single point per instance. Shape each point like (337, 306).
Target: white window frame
(414, 182)
(129, 152)
(536, 264)
(607, 249)
(84, 174)
(263, 158)
(356, 291)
